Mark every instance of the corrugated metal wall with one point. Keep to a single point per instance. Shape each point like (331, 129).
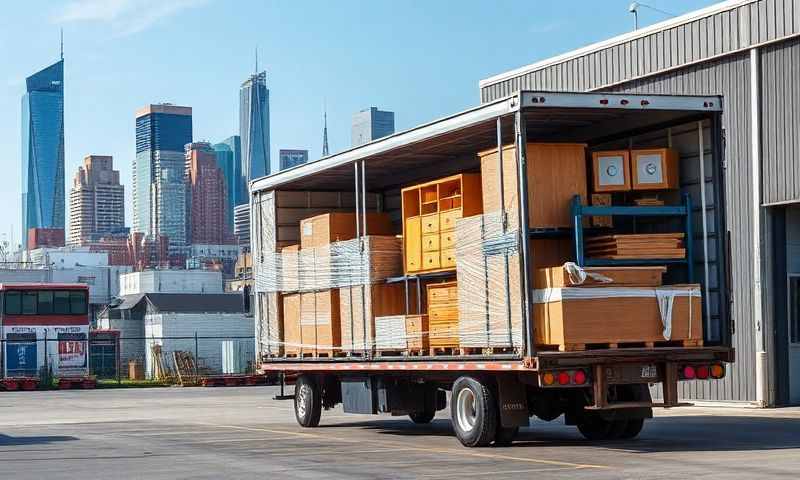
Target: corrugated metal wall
(742, 26)
(639, 66)
(780, 107)
(729, 77)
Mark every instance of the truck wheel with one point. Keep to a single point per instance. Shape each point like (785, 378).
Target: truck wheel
(593, 427)
(307, 401)
(422, 418)
(503, 437)
(632, 428)
(473, 410)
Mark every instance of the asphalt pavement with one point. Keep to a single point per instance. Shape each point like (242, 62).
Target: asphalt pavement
(167, 433)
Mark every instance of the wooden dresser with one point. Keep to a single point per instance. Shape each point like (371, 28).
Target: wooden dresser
(443, 315)
(430, 211)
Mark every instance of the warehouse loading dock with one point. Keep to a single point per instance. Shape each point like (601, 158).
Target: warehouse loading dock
(607, 376)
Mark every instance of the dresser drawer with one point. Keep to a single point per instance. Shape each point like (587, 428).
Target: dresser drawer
(430, 260)
(448, 259)
(447, 220)
(446, 294)
(430, 223)
(447, 240)
(430, 243)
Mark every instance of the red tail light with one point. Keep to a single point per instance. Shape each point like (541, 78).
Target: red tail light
(563, 378)
(688, 372)
(579, 378)
(702, 372)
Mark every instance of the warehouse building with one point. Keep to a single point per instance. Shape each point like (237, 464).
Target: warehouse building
(748, 51)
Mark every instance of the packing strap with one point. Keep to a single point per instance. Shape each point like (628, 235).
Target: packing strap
(577, 275)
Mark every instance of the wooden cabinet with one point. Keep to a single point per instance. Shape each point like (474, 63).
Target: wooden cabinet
(430, 212)
(443, 315)
(556, 173)
(612, 171)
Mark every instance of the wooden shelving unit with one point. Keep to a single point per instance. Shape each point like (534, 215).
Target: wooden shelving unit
(430, 211)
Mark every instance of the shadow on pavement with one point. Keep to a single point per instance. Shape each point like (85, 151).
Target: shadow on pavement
(663, 434)
(7, 440)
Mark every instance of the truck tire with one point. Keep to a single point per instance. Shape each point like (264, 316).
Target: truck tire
(473, 411)
(307, 401)
(595, 428)
(632, 428)
(422, 418)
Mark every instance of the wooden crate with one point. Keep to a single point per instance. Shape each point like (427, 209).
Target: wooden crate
(290, 268)
(312, 324)
(325, 229)
(654, 169)
(368, 301)
(443, 315)
(556, 173)
(401, 333)
(430, 211)
(269, 324)
(557, 277)
(574, 319)
(604, 200)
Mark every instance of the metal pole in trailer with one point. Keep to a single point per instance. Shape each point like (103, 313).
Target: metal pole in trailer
(522, 181)
(363, 280)
(504, 226)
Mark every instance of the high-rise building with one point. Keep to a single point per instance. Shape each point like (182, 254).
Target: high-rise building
(254, 126)
(371, 124)
(159, 189)
(241, 226)
(292, 158)
(43, 149)
(206, 186)
(96, 201)
(229, 160)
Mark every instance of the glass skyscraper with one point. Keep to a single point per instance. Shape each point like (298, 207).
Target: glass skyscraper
(159, 189)
(43, 149)
(371, 124)
(229, 160)
(254, 126)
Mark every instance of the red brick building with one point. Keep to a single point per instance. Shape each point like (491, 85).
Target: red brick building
(206, 185)
(45, 237)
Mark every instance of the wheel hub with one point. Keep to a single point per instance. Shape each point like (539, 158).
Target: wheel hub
(467, 415)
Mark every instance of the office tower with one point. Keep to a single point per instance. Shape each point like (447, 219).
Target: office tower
(254, 126)
(292, 158)
(206, 186)
(43, 149)
(159, 189)
(229, 160)
(96, 201)
(371, 124)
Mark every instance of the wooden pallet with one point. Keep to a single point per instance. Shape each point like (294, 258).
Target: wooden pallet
(580, 347)
(444, 351)
(411, 352)
(488, 351)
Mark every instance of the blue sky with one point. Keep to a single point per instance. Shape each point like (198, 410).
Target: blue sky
(421, 59)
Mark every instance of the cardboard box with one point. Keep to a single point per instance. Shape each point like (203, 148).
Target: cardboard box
(311, 323)
(324, 229)
(362, 302)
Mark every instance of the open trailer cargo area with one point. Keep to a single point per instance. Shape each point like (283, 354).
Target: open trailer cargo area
(543, 254)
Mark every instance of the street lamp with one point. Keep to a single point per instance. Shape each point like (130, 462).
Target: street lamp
(634, 9)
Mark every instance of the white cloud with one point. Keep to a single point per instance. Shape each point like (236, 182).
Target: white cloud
(125, 17)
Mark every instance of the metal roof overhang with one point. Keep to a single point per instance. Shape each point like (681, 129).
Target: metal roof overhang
(449, 145)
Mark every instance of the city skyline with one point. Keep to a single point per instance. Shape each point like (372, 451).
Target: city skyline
(103, 86)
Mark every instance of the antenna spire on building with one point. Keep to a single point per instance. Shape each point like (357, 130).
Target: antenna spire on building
(62, 44)
(256, 72)
(325, 151)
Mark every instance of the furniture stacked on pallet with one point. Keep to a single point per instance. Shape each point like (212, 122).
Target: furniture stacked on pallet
(276, 217)
(611, 307)
(487, 246)
(329, 265)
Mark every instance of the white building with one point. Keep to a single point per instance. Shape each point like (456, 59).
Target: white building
(172, 320)
(171, 281)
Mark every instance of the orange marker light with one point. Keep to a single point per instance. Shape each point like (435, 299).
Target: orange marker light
(717, 371)
(548, 378)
